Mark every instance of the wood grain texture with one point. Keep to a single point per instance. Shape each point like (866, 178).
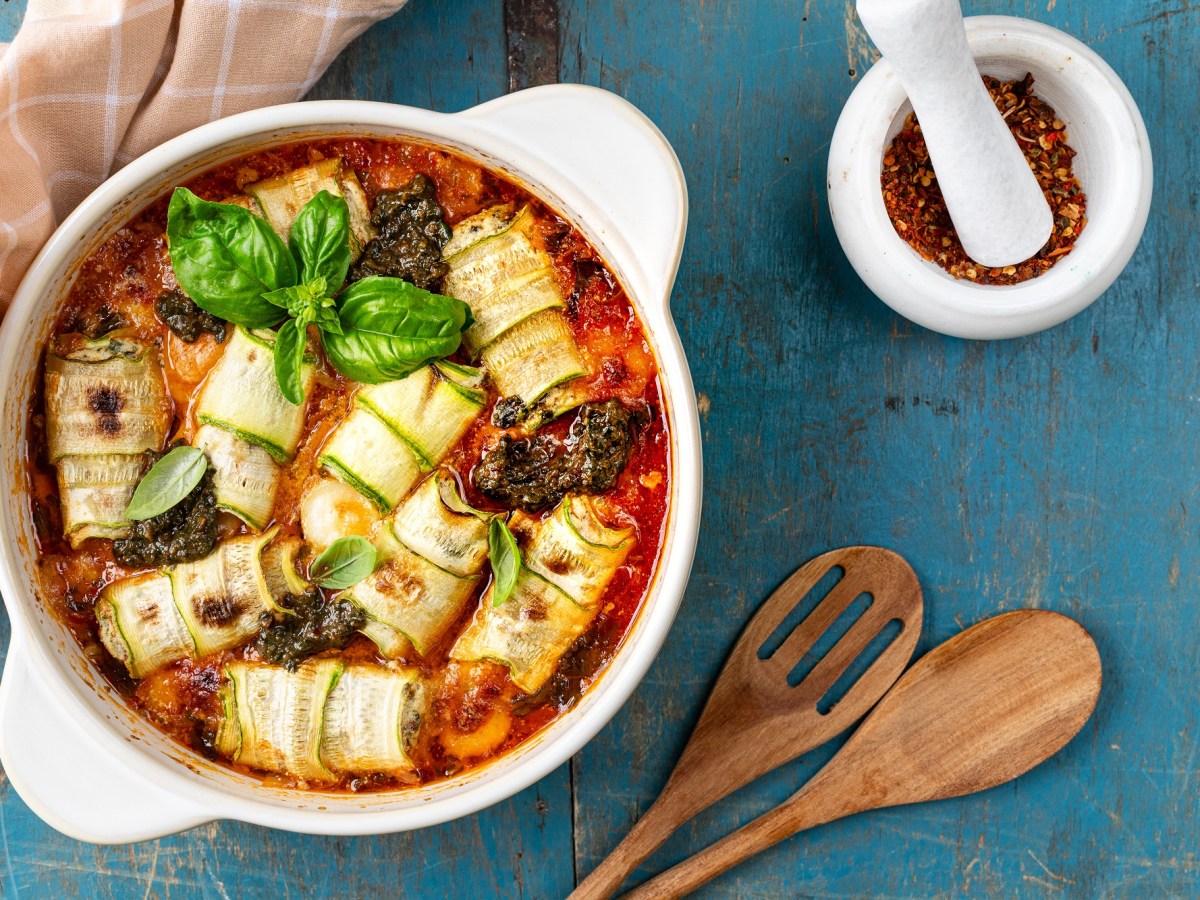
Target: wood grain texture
(1059, 470)
(531, 36)
(985, 707)
(780, 691)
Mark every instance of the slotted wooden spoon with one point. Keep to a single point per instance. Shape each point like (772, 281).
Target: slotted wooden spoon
(979, 710)
(754, 720)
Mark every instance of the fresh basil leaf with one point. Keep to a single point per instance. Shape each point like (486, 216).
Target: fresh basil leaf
(289, 358)
(391, 328)
(345, 563)
(326, 318)
(320, 239)
(284, 298)
(297, 298)
(226, 258)
(169, 480)
(505, 557)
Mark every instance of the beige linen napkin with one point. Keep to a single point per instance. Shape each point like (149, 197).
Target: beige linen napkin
(88, 85)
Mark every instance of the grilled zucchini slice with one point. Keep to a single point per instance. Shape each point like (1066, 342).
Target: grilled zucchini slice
(274, 719)
(401, 428)
(520, 331)
(188, 610)
(569, 560)
(245, 475)
(534, 356)
(528, 633)
(323, 720)
(223, 596)
(371, 458)
(281, 198)
(106, 406)
(372, 718)
(576, 551)
(437, 524)
(428, 410)
(410, 597)
(94, 492)
(140, 624)
(108, 398)
(242, 395)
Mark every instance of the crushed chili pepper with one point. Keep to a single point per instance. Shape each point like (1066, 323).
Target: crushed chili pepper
(918, 212)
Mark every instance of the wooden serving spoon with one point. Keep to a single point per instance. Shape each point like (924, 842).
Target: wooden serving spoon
(753, 706)
(977, 711)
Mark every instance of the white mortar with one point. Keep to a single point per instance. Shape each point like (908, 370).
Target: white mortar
(1113, 166)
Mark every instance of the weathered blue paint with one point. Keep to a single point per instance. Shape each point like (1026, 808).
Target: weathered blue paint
(1056, 471)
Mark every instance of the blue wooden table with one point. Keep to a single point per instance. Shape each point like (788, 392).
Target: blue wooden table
(1057, 471)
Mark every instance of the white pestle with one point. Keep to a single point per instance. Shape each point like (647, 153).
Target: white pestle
(998, 209)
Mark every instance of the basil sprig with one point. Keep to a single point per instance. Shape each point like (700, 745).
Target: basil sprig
(167, 482)
(505, 557)
(344, 563)
(232, 264)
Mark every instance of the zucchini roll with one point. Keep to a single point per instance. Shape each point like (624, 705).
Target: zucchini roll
(188, 610)
(575, 550)
(569, 560)
(247, 427)
(242, 395)
(244, 475)
(399, 429)
(520, 331)
(280, 570)
(432, 551)
(321, 721)
(280, 199)
(106, 407)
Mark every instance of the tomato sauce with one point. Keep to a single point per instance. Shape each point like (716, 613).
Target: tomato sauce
(476, 712)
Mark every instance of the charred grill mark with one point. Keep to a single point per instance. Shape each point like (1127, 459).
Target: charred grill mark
(534, 611)
(106, 402)
(218, 612)
(558, 565)
(390, 578)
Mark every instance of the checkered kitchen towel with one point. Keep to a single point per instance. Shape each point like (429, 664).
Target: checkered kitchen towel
(88, 85)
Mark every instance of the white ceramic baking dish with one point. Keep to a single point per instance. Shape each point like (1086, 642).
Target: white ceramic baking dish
(72, 748)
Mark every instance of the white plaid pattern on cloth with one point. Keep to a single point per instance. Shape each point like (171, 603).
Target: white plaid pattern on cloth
(88, 85)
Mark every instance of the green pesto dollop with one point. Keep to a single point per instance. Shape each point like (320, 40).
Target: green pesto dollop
(315, 623)
(185, 532)
(533, 473)
(410, 236)
(187, 320)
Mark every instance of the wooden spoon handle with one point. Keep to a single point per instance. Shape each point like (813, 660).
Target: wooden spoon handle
(805, 809)
(657, 824)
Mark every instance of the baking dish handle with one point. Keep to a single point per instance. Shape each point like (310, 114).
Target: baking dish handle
(609, 155)
(74, 785)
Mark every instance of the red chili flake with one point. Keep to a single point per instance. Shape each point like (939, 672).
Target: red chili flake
(918, 212)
